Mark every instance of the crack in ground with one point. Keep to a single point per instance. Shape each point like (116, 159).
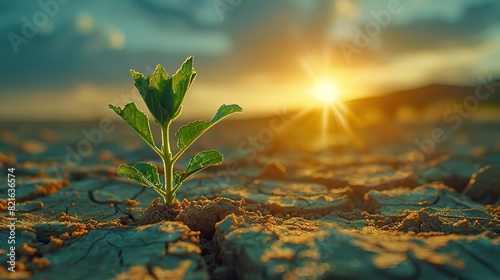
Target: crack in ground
(91, 247)
(119, 249)
(129, 215)
(107, 201)
(211, 257)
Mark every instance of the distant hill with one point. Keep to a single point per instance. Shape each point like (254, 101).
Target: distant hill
(423, 97)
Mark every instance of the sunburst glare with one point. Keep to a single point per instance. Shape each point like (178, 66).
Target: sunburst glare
(327, 88)
(327, 92)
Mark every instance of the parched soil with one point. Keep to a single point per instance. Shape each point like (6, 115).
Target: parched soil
(287, 210)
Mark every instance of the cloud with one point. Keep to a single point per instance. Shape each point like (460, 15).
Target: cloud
(90, 41)
(441, 34)
(429, 10)
(253, 53)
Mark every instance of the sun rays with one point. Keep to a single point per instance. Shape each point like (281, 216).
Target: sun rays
(327, 93)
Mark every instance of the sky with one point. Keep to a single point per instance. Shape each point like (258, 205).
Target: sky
(64, 59)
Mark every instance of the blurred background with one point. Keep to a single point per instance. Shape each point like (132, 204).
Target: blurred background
(66, 60)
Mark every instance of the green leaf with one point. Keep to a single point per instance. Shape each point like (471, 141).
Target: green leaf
(188, 133)
(201, 161)
(150, 172)
(178, 178)
(137, 120)
(224, 111)
(162, 94)
(144, 173)
(156, 92)
(181, 82)
(159, 79)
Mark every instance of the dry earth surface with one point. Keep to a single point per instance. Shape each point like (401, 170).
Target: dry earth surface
(281, 206)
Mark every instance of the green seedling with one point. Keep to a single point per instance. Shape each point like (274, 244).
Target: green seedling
(163, 96)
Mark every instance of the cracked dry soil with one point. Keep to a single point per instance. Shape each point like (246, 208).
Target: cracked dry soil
(284, 213)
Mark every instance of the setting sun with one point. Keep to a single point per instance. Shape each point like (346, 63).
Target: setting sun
(327, 92)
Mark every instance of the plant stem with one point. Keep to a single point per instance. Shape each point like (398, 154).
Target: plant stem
(168, 163)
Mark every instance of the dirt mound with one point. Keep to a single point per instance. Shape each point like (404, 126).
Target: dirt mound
(199, 215)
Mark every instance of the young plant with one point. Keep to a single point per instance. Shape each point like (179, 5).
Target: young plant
(163, 96)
